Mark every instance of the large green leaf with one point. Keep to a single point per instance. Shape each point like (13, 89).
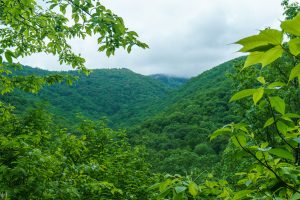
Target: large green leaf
(271, 55)
(264, 58)
(282, 153)
(295, 72)
(276, 85)
(269, 122)
(294, 46)
(295, 196)
(239, 141)
(8, 55)
(221, 131)
(278, 104)
(292, 26)
(242, 94)
(258, 95)
(253, 58)
(252, 42)
(193, 189)
(264, 41)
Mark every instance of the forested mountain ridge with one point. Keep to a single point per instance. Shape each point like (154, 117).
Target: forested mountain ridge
(172, 122)
(119, 94)
(178, 136)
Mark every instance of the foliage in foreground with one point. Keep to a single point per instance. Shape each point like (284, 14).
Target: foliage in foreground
(269, 133)
(39, 161)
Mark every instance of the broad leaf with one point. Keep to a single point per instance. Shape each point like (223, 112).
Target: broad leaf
(271, 55)
(261, 80)
(295, 196)
(258, 95)
(218, 132)
(252, 59)
(264, 41)
(292, 26)
(282, 153)
(8, 55)
(278, 104)
(265, 58)
(239, 141)
(276, 85)
(193, 189)
(294, 46)
(242, 94)
(269, 122)
(295, 72)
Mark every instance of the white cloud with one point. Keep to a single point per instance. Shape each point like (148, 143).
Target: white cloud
(185, 37)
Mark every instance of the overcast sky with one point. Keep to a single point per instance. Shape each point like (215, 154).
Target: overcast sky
(185, 37)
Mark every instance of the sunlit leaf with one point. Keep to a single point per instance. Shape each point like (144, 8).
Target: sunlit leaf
(282, 153)
(294, 46)
(258, 95)
(242, 94)
(292, 26)
(278, 104)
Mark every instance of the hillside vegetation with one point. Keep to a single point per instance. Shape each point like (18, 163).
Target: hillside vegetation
(117, 94)
(177, 138)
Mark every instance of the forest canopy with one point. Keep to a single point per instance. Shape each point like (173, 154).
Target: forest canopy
(41, 160)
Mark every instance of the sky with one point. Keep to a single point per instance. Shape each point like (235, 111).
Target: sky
(185, 37)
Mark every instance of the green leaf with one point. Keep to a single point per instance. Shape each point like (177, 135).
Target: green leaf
(258, 95)
(292, 26)
(294, 46)
(295, 72)
(295, 196)
(282, 127)
(261, 80)
(218, 132)
(292, 115)
(265, 58)
(282, 153)
(241, 194)
(278, 104)
(242, 94)
(264, 41)
(8, 55)
(163, 186)
(276, 85)
(269, 122)
(193, 189)
(252, 42)
(154, 186)
(252, 59)
(239, 140)
(271, 55)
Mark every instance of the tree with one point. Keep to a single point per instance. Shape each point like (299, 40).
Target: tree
(32, 26)
(269, 132)
(39, 160)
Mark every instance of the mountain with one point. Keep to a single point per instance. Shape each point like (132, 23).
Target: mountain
(172, 122)
(118, 94)
(177, 138)
(171, 81)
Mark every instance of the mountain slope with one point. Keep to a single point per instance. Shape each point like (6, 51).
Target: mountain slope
(178, 136)
(118, 94)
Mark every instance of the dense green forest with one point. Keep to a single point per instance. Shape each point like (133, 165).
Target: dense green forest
(231, 132)
(118, 94)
